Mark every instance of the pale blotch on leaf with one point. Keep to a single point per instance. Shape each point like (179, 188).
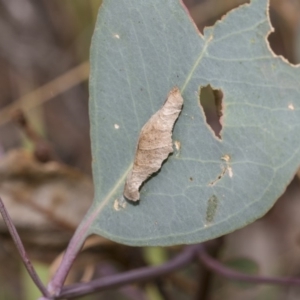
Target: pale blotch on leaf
(226, 157)
(119, 204)
(228, 168)
(291, 107)
(230, 172)
(225, 169)
(116, 36)
(177, 145)
(212, 206)
(117, 126)
(154, 144)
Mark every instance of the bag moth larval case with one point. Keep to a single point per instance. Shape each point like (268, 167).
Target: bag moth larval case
(154, 144)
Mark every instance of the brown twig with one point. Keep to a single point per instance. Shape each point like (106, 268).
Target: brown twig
(43, 151)
(46, 92)
(16, 238)
(48, 213)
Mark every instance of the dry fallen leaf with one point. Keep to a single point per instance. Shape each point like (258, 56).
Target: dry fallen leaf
(43, 199)
(154, 144)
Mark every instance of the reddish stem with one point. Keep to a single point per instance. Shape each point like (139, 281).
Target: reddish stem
(17, 241)
(74, 247)
(218, 268)
(139, 275)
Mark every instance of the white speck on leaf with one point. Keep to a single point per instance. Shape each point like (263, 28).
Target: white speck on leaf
(116, 36)
(119, 204)
(226, 157)
(225, 169)
(291, 107)
(177, 145)
(230, 173)
(116, 126)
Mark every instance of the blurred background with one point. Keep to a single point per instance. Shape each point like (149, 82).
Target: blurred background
(45, 160)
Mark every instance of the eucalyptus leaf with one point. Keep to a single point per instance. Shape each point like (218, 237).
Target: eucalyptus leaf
(208, 186)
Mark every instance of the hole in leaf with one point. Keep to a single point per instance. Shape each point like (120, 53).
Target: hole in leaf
(284, 40)
(211, 104)
(206, 13)
(284, 16)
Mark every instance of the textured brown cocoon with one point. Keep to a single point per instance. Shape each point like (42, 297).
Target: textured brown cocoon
(154, 144)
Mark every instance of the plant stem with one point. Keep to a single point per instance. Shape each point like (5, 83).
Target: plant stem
(74, 247)
(17, 241)
(218, 268)
(142, 274)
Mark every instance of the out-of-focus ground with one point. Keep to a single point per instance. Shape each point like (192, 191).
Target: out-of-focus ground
(45, 165)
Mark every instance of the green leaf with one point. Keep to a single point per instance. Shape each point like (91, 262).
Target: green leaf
(140, 50)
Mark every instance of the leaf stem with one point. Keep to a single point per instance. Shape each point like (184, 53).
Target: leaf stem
(20, 247)
(74, 247)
